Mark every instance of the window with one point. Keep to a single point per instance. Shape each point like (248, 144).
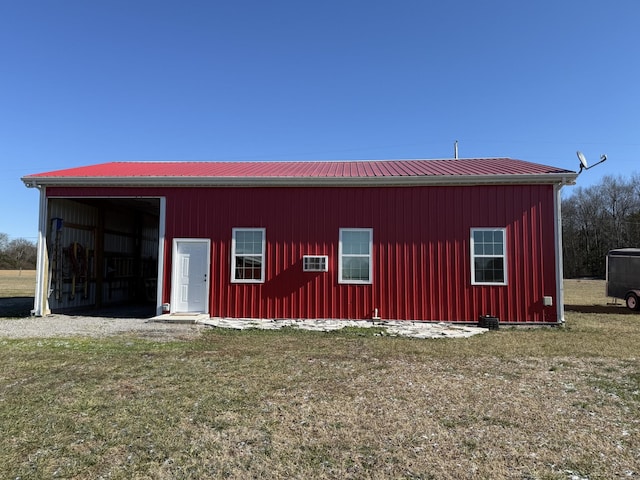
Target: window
(247, 255)
(488, 256)
(354, 255)
(314, 263)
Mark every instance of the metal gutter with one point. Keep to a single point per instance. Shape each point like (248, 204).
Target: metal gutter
(565, 178)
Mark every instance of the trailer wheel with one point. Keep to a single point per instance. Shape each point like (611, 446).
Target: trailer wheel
(632, 301)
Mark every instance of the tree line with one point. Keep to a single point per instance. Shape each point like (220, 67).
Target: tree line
(597, 219)
(17, 254)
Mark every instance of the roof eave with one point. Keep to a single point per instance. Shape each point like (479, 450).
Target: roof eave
(565, 178)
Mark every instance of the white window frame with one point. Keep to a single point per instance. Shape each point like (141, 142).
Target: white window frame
(315, 263)
(235, 255)
(503, 256)
(369, 256)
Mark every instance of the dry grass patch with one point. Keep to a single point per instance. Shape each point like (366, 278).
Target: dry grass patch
(16, 292)
(517, 403)
(514, 403)
(589, 296)
(17, 283)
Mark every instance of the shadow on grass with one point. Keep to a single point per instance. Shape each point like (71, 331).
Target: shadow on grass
(619, 309)
(16, 306)
(20, 307)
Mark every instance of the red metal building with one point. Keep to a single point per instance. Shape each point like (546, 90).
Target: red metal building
(431, 240)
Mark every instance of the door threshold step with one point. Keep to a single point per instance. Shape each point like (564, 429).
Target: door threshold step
(180, 317)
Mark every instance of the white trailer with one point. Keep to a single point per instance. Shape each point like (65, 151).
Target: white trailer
(623, 276)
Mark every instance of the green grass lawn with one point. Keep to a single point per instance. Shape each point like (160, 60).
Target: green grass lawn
(514, 403)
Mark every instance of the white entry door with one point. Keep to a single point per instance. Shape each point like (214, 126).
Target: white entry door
(190, 285)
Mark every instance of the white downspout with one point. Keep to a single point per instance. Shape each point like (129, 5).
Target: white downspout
(558, 238)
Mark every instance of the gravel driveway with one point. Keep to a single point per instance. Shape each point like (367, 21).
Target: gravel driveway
(69, 325)
(25, 326)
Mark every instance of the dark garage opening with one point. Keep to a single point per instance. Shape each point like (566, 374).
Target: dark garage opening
(103, 256)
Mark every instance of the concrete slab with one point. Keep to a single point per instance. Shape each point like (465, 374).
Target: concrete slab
(180, 317)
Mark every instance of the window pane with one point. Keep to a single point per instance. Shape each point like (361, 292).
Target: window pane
(494, 271)
(479, 273)
(248, 242)
(248, 267)
(355, 268)
(489, 270)
(355, 242)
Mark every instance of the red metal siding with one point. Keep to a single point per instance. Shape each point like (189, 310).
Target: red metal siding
(421, 253)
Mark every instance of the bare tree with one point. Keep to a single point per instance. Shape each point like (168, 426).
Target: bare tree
(17, 254)
(620, 202)
(597, 219)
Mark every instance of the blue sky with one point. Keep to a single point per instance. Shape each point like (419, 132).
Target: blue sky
(90, 82)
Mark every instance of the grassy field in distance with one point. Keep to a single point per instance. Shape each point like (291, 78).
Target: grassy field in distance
(17, 283)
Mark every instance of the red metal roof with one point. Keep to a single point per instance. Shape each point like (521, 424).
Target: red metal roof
(307, 169)
(278, 172)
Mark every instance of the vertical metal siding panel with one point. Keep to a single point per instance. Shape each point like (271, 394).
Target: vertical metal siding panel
(549, 252)
(459, 233)
(540, 246)
(444, 257)
(453, 289)
(397, 266)
(515, 255)
(534, 256)
(434, 284)
(413, 259)
(385, 269)
(459, 296)
(367, 295)
(503, 294)
(421, 280)
(465, 253)
(527, 259)
(475, 221)
(391, 266)
(527, 252)
(221, 230)
(381, 281)
(534, 264)
(450, 288)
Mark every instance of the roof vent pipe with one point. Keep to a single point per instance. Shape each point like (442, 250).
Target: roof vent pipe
(455, 149)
